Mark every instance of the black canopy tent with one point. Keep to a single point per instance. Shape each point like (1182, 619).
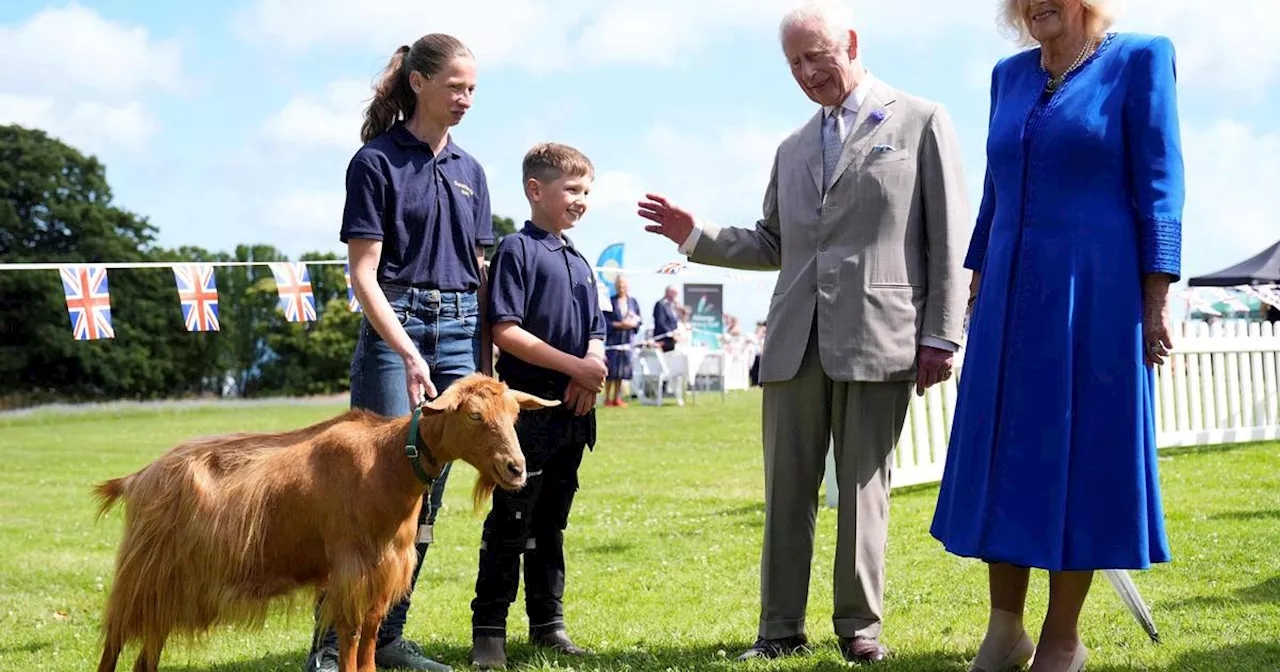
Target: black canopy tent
(1260, 269)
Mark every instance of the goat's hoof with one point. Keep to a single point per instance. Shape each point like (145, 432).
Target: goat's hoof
(489, 653)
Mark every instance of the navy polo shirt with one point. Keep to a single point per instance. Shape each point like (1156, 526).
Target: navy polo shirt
(430, 212)
(546, 286)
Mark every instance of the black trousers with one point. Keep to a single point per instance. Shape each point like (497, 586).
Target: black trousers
(531, 523)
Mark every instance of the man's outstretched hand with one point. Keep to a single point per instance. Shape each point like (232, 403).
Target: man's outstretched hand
(670, 221)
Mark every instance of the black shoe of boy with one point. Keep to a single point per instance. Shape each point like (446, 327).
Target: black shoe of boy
(558, 641)
(489, 653)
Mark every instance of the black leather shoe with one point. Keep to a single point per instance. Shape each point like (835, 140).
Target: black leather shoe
(558, 641)
(775, 648)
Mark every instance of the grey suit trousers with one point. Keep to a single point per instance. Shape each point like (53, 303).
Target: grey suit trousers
(803, 416)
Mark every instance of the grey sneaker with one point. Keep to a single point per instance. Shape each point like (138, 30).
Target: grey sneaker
(403, 654)
(324, 660)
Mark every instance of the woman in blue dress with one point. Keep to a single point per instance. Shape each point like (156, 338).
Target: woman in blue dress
(624, 321)
(1052, 462)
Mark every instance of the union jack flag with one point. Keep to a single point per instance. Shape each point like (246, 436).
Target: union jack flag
(88, 302)
(353, 304)
(672, 268)
(198, 293)
(294, 284)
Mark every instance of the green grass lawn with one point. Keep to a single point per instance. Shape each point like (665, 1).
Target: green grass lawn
(662, 550)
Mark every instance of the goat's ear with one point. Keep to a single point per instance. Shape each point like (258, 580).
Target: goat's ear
(446, 401)
(528, 402)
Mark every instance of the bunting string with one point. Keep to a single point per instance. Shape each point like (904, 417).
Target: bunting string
(87, 295)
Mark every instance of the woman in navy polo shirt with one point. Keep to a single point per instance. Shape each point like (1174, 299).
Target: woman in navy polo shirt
(416, 222)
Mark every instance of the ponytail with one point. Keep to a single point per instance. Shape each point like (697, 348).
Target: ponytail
(393, 97)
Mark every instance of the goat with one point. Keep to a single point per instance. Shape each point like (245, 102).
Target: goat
(216, 528)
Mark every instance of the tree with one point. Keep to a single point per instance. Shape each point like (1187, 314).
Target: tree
(502, 227)
(55, 206)
(315, 357)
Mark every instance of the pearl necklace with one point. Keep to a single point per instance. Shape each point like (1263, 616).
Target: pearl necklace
(1055, 82)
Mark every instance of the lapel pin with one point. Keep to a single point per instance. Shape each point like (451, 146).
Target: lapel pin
(877, 115)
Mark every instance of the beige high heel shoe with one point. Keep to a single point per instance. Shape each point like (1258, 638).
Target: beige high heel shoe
(1015, 658)
(1078, 660)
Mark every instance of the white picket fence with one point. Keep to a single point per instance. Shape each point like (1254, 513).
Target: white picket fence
(1220, 386)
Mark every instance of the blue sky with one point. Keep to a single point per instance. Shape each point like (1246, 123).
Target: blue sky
(232, 122)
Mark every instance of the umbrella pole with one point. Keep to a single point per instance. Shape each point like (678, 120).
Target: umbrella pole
(1128, 593)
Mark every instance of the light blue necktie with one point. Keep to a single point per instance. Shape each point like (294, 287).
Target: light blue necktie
(831, 146)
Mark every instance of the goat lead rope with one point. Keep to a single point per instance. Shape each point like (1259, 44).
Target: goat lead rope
(426, 534)
(411, 451)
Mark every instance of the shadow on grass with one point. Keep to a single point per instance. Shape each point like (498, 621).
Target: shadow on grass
(1268, 514)
(752, 510)
(1208, 450)
(1260, 656)
(1267, 591)
(272, 662)
(718, 656)
(29, 647)
(610, 548)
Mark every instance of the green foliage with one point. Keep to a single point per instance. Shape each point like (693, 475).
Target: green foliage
(313, 358)
(662, 553)
(502, 227)
(55, 206)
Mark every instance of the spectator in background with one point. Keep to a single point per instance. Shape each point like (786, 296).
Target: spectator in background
(758, 338)
(623, 320)
(684, 329)
(665, 320)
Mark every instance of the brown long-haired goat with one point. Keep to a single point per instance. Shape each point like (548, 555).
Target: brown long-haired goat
(217, 527)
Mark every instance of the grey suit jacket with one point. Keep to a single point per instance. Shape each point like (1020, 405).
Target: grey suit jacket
(879, 258)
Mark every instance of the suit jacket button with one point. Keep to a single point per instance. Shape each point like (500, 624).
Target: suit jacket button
(822, 248)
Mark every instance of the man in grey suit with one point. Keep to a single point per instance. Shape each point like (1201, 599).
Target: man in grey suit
(866, 217)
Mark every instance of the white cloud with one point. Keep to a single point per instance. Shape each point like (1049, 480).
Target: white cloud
(90, 126)
(615, 188)
(308, 211)
(74, 50)
(717, 175)
(331, 120)
(80, 77)
(1232, 177)
(1224, 45)
(536, 35)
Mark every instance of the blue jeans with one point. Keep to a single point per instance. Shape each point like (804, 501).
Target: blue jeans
(445, 328)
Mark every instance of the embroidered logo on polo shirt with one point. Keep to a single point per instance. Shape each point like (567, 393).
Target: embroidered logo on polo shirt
(466, 190)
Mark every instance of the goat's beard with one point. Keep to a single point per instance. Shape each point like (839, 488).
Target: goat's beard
(482, 491)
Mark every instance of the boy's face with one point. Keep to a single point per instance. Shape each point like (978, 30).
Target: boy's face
(562, 202)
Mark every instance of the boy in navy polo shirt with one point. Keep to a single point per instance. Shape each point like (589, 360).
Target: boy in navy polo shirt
(547, 323)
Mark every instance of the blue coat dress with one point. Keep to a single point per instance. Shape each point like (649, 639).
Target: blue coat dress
(618, 358)
(1052, 461)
